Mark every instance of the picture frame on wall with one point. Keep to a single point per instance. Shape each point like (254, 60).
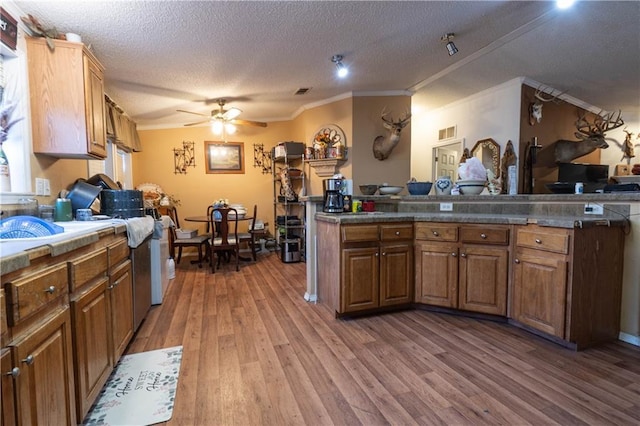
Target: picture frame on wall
(224, 157)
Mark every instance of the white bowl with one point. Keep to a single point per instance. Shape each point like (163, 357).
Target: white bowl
(390, 190)
(471, 187)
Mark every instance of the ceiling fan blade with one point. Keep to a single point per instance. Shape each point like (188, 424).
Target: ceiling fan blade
(197, 122)
(249, 123)
(231, 113)
(191, 112)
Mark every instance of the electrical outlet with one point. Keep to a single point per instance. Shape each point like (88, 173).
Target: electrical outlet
(47, 187)
(446, 207)
(39, 186)
(592, 208)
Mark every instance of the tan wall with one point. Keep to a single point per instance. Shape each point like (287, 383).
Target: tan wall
(61, 174)
(196, 189)
(367, 125)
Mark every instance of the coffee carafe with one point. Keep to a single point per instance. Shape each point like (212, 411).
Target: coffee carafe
(333, 199)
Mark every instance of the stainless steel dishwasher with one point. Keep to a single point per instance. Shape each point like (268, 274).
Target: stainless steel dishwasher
(141, 267)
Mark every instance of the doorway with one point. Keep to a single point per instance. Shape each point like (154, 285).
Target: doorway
(446, 159)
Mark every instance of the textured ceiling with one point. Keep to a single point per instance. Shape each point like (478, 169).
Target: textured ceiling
(166, 55)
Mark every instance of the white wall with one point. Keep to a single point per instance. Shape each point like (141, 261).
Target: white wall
(492, 113)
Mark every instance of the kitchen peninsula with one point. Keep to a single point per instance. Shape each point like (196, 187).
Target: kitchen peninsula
(545, 265)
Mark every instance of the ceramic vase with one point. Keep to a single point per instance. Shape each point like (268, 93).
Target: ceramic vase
(443, 185)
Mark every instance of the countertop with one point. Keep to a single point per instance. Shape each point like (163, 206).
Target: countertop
(16, 253)
(551, 221)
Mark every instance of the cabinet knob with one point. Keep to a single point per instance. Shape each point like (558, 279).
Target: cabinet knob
(50, 290)
(538, 241)
(377, 254)
(435, 233)
(115, 284)
(398, 233)
(384, 253)
(463, 255)
(517, 260)
(28, 360)
(483, 236)
(110, 287)
(453, 254)
(15, 372)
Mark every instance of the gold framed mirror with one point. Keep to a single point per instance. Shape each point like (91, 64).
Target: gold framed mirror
(488, 152)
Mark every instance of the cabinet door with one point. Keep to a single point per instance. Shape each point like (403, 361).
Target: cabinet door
(121, 303)
(539, 292)
(91, 328)
(360, 285)
(436, 274)
(396, 274)
(8, 377)
(45, 386)
(95, 109)
(483, 279)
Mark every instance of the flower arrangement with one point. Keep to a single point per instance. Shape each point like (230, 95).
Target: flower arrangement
(327, 138)
(221, 202)
(168, 200)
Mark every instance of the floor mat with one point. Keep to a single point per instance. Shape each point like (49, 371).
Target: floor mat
(140, 391)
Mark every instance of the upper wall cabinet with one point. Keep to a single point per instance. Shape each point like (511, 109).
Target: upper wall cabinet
(66, 88)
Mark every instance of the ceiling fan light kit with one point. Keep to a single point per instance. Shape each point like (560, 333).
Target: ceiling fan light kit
(451, 48)
(342, 70)
(223, 121)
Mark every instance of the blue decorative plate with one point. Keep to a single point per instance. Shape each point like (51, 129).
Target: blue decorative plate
(27, 227)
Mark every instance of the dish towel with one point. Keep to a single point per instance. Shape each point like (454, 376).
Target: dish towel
(138, 229)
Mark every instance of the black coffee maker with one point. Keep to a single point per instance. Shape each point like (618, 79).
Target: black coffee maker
(333, 199)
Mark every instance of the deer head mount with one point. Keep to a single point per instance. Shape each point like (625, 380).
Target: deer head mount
(535, 108)
(383, 145)
(591, 136)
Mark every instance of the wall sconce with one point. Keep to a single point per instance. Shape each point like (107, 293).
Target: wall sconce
(342, 70)
(183, 158)
(451, 48)
(261, 158)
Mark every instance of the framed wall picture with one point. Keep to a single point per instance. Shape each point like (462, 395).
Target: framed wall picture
(224, 157)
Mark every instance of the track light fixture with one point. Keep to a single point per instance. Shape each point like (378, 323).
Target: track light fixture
(451, 48)
(342, 70)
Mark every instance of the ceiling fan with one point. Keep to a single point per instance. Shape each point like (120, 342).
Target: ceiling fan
(224, 120)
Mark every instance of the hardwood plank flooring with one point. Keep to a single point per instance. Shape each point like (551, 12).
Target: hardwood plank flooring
(255, 353)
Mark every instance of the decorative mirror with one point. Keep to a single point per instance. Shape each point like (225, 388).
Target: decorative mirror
(488, 152)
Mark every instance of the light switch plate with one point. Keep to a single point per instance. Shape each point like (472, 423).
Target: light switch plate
(39, 186)
(47, 187)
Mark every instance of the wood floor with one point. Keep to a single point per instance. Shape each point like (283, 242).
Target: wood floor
(256, 353)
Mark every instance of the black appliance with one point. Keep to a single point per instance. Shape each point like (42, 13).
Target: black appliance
(593, 176)
(141, 274)
(333, 200)
(122, 203)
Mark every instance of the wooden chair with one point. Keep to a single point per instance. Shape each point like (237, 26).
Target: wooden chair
(250, 237)
(199, 241)
(224, 236)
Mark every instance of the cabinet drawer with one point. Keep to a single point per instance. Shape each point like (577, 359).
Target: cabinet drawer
(482, 235)
(30, 294)
(436, 232)
(86, 268)
(396, 232)
(556, 240)
(118, 252)
(352, 234)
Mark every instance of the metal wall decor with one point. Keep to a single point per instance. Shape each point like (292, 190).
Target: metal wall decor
(262, 158)
(183, 158)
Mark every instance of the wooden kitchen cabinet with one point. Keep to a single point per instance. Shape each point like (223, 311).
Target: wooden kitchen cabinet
(8, 374)
(67, 100)
(121, 308)
(567, 283)
(45, 386)
(462, 266)
(371, 268)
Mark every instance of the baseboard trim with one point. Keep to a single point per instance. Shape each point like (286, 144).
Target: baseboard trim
(629, 338)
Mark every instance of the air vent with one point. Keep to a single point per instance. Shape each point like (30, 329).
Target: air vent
(448, 133)
(302, 90)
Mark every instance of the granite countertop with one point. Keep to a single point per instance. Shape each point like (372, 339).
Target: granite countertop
(591, 197)
(551, 221)
(16, 253)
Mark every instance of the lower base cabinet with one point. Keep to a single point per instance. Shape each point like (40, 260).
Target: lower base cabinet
(121, 308)
(45, 385)
(9, 373)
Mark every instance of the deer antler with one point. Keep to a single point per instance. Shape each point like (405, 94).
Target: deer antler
(601, 123)
(540, 91)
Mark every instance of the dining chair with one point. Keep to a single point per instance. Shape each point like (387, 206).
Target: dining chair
(250, 237)
(224, 236)
(199, 241)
